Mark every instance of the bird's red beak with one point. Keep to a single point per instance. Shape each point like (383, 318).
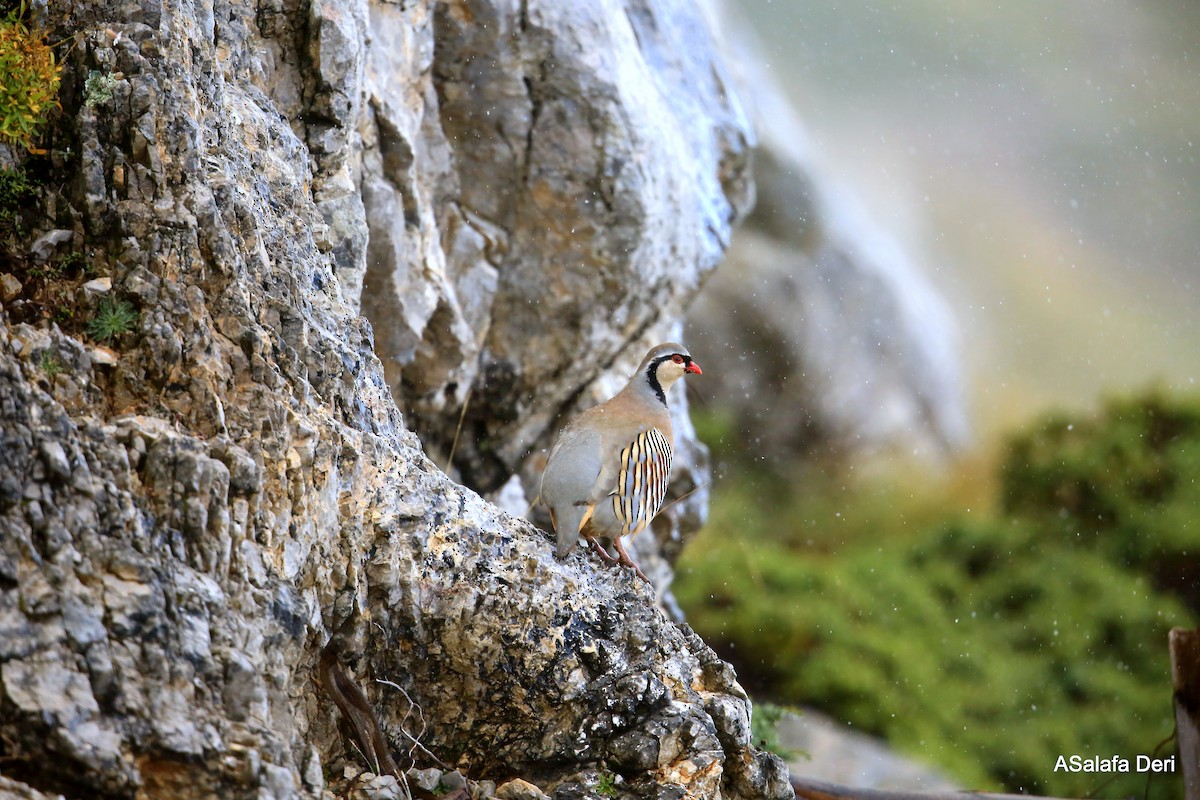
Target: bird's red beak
(694, 367)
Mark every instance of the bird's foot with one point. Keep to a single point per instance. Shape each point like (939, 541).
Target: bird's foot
(625, 560)
(600, 551)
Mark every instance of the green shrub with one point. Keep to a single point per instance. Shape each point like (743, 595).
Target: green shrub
(29, 78)
(988, 643)
(1123, 482)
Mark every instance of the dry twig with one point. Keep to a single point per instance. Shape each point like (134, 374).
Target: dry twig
(353, 704)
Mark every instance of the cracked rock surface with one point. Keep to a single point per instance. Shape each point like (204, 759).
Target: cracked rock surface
(191, 508)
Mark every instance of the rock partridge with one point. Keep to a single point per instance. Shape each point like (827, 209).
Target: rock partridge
(607, 473)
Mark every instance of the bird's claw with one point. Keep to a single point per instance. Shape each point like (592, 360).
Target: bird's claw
(623, 559)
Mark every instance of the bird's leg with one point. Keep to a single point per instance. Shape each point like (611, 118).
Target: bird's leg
(627, 561)
(600, 551)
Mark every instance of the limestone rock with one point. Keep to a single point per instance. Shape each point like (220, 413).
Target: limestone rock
(545, 192)
(15, 790)
(189, 521)
(10, 287)
(518, 789)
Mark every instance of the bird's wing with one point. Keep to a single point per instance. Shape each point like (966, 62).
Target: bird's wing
(643, 470)
(571, 471)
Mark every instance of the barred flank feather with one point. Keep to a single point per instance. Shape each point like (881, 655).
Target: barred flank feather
(642, 482)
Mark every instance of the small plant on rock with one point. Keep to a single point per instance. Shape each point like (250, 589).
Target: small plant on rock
(15, 193)
(98, 88)
(113, 318)
(607, 785)
(49, 365)
(76, 263)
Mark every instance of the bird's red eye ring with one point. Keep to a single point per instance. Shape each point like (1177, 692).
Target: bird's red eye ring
(678, 359)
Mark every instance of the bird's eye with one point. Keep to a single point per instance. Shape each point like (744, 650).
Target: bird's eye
(678, 359)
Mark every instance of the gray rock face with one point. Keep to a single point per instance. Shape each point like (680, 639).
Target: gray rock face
(191, 509)
(545, 187)
(563, 180)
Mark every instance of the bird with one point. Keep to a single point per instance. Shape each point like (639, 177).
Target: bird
(607, 473)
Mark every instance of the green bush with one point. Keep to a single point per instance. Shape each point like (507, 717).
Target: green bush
(29, 79)
(1124, 483)
(988, 643)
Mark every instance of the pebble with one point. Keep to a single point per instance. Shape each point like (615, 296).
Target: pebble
(55, 459)
(103, 356)
(10, 287)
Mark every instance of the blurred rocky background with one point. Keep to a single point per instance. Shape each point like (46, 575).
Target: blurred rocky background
(1031, 168)
(1038, 161)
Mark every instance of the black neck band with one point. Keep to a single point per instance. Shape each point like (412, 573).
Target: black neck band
(652, 378)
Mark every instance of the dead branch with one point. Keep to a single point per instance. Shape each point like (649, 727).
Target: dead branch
(353, 704)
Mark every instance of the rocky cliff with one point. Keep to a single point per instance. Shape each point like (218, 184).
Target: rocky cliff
(283, 252)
